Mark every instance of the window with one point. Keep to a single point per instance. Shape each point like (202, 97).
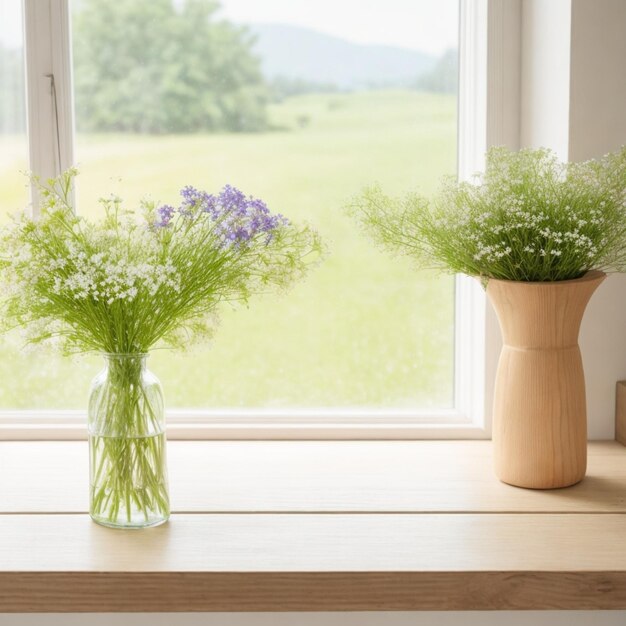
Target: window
(301, 106)
(13, 141)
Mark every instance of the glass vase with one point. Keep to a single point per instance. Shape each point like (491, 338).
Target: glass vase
(127, 457)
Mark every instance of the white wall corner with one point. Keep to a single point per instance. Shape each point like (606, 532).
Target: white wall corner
(597, 118)
(504, 73)
(545, 77)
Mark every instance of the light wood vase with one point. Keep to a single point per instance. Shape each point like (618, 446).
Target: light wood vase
(539, 412)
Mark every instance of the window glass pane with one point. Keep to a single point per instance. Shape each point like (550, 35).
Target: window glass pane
(20, 374)
(13, 142)
(302, 104)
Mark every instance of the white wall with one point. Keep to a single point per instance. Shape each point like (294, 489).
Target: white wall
(597, 125)
(597, 120)
(573, 86)
(545, 81)
(603, 345)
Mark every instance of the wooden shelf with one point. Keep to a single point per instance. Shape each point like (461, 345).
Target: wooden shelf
(315, 526)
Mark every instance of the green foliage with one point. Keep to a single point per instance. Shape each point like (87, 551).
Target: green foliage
(334, 326)
(444, 77)
(283, 87)
(122, 285)
(158, 66)
(531, 218)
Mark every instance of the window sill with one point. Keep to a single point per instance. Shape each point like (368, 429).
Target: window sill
(310, 526)
(246, 424)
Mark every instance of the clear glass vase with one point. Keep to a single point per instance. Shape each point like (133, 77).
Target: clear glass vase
(127, 457)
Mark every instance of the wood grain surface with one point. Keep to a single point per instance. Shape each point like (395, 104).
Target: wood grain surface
(539, 405)
(319, 543)
(315, 526)
(620, 412)
(314, 476)
(338, 591)
(315, 562)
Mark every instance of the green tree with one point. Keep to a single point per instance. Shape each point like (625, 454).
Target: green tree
(283, 87)
(159, 66)
(444, 77)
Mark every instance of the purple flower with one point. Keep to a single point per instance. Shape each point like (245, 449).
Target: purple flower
(165, 214)
(195, 200)
(209, 204)
(237, 219)
(189, 194)
(232, 200)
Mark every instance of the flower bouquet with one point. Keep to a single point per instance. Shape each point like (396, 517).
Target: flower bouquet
(122, 286)
(529, 218)
(539, 235)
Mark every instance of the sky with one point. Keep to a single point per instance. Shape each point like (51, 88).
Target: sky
(11, 22)
(427, 25)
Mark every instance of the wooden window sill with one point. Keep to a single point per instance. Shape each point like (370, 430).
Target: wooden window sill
(310, 526)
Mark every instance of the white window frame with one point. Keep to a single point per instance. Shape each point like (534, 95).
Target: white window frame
(489, 50)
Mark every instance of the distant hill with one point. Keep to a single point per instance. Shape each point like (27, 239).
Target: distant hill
(299, 53)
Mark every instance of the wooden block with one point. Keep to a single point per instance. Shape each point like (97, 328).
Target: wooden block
(620, 412)
(65, 563)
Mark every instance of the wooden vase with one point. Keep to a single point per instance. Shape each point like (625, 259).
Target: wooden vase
(539, 412)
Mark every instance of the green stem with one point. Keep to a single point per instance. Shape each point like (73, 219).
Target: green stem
(127, 447)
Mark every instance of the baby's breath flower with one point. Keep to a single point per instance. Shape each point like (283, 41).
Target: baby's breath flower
(527, 218)
(121, 286)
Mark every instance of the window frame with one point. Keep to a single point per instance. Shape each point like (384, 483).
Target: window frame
(488, 114)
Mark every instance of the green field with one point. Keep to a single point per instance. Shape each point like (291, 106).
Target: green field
(363, 330)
